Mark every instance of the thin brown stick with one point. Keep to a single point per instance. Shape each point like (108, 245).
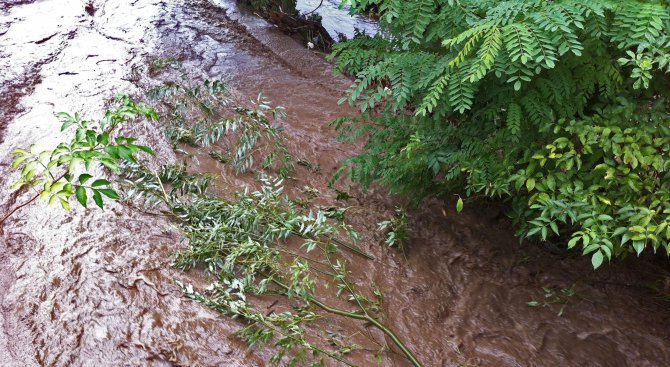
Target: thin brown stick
(396, 340)
(18, 207)
(315, 9)
(27, 202)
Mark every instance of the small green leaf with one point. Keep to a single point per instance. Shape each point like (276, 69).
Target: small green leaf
(530, 184)
(18, 160)
(103, 138)
(590, 248)
(126, 153)
(100, 182)
(65, 204)
(619, 231)
(19, 151)
(84, 177)
(607, 251)
(605, 217)
(597, 259)
(113, 151)
(459, 205)
(81, 195)
(573, 242)
(145, 149)
(97, 198)
(52, 199)
(551, 183)
(110, 164)
(110, 193)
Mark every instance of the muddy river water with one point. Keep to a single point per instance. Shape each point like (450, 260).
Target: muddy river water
(95, 288)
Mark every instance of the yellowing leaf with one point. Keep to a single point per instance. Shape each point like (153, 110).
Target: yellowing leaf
(459, 205)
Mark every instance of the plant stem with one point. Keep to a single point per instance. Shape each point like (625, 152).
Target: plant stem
(343, 279)
(408, 353)
(349, 246)
(377, 324)
(18, 207)
(308, 345)
(165, 195)
(27, 202)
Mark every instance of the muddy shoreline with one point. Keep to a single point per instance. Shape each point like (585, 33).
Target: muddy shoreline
(96, 287)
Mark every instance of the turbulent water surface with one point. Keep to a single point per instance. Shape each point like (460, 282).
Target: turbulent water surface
(336, 18)
(95, 288)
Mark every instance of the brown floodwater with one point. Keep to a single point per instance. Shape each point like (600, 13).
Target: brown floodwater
(95, 288)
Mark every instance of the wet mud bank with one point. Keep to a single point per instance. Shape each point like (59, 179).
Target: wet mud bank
(90, 287)
(95, 287)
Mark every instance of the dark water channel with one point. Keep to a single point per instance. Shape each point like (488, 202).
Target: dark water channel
(95, 288)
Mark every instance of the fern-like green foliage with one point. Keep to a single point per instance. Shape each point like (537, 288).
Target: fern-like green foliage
(455, 96)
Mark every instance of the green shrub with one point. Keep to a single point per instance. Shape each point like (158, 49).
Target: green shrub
(560, 106)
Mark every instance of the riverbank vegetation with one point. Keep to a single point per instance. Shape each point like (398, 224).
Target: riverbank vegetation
(274, 262)
(67, 171)
(558, 107)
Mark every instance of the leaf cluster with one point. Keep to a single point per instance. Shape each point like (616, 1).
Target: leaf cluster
(457, 96)
(202, 115)
(59, 174)
(243, 243)
(605, 177)
(395, 229)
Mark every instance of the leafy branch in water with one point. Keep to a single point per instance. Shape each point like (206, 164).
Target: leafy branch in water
(258, 246)
(67, 171)
(202, 115)
(395, 228)
(243, 244)
(167, 185)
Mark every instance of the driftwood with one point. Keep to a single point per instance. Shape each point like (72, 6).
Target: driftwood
(309, 29)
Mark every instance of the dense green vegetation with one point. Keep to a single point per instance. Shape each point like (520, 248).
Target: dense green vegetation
(559, 106)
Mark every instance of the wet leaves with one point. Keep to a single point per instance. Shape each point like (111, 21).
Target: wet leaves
(51, 172)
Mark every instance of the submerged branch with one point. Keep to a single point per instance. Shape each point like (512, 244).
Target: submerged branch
(365, 317)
